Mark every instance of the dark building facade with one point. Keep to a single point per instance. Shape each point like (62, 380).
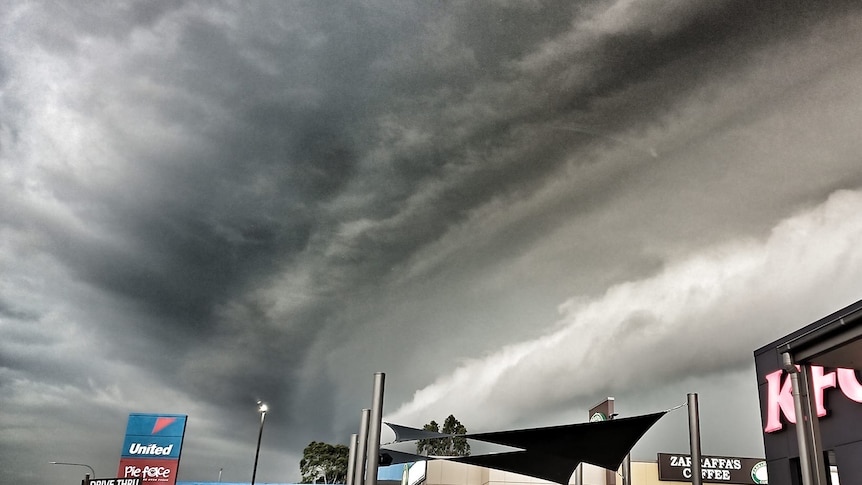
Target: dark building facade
(828, 351)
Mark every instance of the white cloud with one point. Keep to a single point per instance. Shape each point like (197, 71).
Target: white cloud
(695, 318)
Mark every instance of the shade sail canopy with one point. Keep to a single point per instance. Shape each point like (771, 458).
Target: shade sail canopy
(550, 453)
(402, 457)
(553, 468)
(603, 443)
(403, 433)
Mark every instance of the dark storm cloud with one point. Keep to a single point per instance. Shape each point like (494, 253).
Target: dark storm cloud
(11, 311)
(259, 200)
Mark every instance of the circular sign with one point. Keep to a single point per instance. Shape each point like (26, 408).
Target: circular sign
(598, 417)
(758, 472)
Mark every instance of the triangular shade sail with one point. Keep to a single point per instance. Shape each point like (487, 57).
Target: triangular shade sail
(553, 468)
(402, 457)
(603, 443)
(403, 433)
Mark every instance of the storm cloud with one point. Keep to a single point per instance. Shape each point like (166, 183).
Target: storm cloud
(514, 209)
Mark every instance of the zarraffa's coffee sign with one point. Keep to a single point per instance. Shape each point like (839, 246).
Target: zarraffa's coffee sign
(714, 469)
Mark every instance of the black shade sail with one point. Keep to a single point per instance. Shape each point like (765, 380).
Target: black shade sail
(403, 433)
(602, 443)
(550, 453)
(399, 457)
(553, 468)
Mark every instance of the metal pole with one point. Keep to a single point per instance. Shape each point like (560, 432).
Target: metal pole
(799, 394)
(627, 470)
(694, 439)
(259, 436)
(610, 475)
(374, 427)
(361, 449)
(579, 474)
(351, 459)
(811, 461)
(812, 429)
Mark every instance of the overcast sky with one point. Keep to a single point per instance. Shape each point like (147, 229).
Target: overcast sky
(513, 208)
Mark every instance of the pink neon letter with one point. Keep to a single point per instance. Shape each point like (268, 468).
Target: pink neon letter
(820, 382)
(849, 384)
(779, 400)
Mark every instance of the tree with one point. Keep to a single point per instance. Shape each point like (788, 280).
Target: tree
(324, 463)
(452, 446)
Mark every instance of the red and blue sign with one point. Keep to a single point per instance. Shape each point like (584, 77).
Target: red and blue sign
(151, 448)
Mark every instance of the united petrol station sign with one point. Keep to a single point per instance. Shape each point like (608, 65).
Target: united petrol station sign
(151, 448)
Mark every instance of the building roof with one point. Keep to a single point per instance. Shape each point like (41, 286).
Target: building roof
(832, 341)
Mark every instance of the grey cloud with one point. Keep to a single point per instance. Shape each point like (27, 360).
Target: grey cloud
(272, 200)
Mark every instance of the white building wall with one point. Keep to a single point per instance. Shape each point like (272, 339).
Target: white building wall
(441, 472)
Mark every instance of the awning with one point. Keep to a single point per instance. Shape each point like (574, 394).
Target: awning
(402, 457)
(403, 433)
(553, 468)
(550, 453)
(602, 443)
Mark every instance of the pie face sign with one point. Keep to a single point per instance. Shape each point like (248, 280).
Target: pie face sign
(713, 469)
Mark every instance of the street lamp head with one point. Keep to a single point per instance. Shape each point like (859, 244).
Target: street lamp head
(262, 407)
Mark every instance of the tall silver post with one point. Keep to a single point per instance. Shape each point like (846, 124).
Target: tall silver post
(361, 449)
(627, 470)
(374, 427)
(811, 460)
(694, 439)
(799, 395)
(351, 459)
(262, 408)
(812, 429)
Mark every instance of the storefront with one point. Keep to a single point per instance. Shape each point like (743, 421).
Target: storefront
(810, 376)
(669, 469)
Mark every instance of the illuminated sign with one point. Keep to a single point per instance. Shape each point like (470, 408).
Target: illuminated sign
(716, 469)
(150, 470)
(779, 396)
(151, 448)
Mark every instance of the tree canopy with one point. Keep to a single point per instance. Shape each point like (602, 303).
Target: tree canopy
(324, 463)
(451, 446)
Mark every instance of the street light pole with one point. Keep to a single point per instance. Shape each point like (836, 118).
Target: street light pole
(261, 408)
(86, 477)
